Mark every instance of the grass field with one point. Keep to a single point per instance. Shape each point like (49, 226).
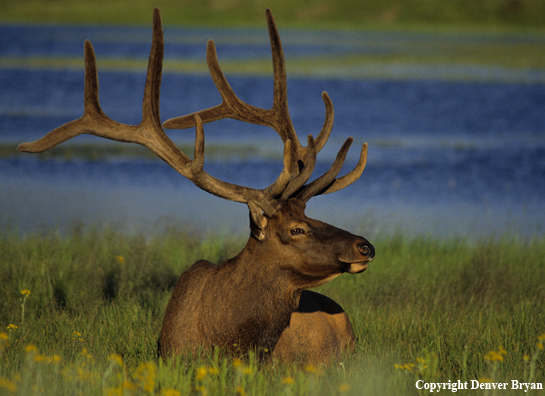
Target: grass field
(81, 314)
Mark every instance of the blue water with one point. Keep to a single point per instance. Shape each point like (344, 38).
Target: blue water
(445, 157)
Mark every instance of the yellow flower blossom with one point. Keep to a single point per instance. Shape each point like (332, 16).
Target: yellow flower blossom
(12, 327)
(494, 356)
(526, 357)
(76, 335)
(120, 259)
(201, 373)
(30, 348)
(40, 358)
(131, 386)
(240, 390)
(146, 373)
(237, 362)
(116, 358)
(312, 369)
(55, 359)
(84, 375)
(344, 387)
(213, 371)
(407, 366)
(3, 336)
(25, 292)
(170, 392)
(288, 380)
(114, 391)
(7, 384)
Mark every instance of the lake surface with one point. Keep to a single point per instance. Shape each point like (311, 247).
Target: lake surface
(446, 157)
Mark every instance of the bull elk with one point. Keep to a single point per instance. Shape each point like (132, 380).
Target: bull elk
(258, 299)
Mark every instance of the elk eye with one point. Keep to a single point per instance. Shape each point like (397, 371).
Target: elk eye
(297, 231)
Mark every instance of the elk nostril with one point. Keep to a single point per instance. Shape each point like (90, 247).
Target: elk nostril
(366, 250)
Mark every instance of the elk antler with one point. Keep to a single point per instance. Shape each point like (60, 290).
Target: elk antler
(277, 118)
(150, 134)
(298, 161)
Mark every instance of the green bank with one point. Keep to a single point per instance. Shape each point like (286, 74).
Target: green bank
(81, 314)
(387, 14)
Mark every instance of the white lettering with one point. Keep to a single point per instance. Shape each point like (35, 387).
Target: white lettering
(418, 387)
(526, 385)
(474, 384)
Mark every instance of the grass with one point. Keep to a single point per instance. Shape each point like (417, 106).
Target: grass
(81, 314)
(491, 14)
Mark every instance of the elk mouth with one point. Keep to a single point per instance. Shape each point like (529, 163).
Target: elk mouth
(354, 267)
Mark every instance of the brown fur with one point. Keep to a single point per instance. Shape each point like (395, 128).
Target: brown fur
(255, 302)
(319, 331)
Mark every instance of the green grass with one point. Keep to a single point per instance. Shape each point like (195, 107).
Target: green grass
(491, 14)
(91, 321)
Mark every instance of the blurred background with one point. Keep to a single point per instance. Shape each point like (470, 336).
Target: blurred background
(448, 95)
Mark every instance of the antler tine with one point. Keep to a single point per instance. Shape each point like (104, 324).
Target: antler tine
(327, 183)
(92, 114)
(277, 117)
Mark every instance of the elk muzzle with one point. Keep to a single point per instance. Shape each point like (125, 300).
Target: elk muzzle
(358, 261)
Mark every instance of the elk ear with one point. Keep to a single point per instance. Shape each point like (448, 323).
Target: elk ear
(258, 221)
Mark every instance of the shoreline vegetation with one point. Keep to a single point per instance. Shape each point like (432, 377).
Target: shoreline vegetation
(492, 15)
(81, 313)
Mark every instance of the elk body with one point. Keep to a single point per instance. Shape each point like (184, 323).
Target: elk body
(258, 299)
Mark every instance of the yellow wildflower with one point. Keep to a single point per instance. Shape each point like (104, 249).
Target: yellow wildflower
(312, 369)
(116, 358)
(120, 259)
(12, 327)
(213, 371)
(40, 358)
(170, 392)
(146, 373)
(485, 379)
(25, 292)
(30, 348)
(114, 391)
(201, 373)
(85, 353)
(7, 384)
(344, 387)
(288, 380)
(84, 375)
(237, 362)
(539, 345)
(240, 390)
(3, 336)
(526, 357)
(494, 356)
(131, 386)
(55, 359)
